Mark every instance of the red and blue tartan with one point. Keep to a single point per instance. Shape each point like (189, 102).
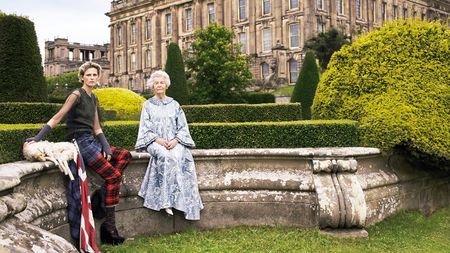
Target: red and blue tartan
(111, 172)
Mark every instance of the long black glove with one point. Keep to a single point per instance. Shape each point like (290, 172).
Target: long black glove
(102, 139)
(44, 131)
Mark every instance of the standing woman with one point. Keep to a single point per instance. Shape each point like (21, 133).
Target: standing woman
(170, 180)
(83, 125)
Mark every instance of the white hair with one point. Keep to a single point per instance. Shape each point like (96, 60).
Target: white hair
(156, 74)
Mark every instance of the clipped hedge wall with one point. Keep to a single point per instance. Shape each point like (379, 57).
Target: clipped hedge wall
(23, 113)
(293, 134)
(258, 97)
(30, 113)
(243, 112)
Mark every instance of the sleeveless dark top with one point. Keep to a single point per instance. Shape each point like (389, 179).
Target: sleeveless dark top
(80, 118)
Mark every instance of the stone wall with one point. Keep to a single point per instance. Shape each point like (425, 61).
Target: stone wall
(326, 187)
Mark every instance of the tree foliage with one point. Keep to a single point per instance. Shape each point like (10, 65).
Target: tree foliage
(325, 44)
(175, 68)
(21, 75)
(395, 81)
(59, 86)
(220, 70)
(306, 85)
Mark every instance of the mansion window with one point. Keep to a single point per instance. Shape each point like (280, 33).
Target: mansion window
(293, 4)
(188, 20)
(133, 61)
(383, 12)
(320, 4)
(211, 13)
(243, 42)
(264, 70)
(148, 58)
(70, 55)
(148, 29)
(266, 7)
(119, 36)
(133, 33)
(358, 9)
(320, 26)
(405, 13)
(242, 9)
(267, 40)
(374, 10)
(340, 7)
(293, 71)
(394, 11)
(294, 35)
(168, 24)
(119, 63)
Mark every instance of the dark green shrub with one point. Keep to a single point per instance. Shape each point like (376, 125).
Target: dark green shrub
(294, 134)
(21, 76)
(395, 81)
(60, 86)
(175, 68)
(243, 112)
(23, 113)
(306, 85)
(258, 97)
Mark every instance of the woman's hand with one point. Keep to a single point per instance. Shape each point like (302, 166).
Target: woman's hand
(171, 144)
(162, 142)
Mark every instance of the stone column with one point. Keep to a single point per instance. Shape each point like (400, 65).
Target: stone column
(156, 54)
(277, 13)
(251, 16)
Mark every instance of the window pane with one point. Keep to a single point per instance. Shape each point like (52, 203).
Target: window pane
(148, 29)
(293, 71)
(243, 41)
(293, 4)
(133, 33)
(320, 4)
(358, 8)
(265, 70)
(242, 9)
(169, 24)
(188, 20)
(148, 61)
(211, 13)
(267, 40)
(294, 35)
(266, 7)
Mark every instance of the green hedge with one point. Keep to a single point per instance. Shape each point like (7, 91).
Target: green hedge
(293, 134)
(23, 113)
(29, 113)
(258, 97)
(243, 112)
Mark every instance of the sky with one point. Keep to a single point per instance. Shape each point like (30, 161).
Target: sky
(82, 21)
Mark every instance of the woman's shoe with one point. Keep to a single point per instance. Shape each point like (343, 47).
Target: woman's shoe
(169, 211)
(110, 237)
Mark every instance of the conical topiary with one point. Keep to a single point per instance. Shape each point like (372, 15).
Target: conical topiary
(175, 68)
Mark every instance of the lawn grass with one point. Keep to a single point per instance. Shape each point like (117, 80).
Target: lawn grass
(284, 91)
(405, 232)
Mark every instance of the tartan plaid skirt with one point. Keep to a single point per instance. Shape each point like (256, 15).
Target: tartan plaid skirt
(111, 171)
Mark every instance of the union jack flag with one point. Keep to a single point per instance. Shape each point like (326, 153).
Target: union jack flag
(87, 226)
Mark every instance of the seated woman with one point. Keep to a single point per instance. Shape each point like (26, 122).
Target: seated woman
(170, 180)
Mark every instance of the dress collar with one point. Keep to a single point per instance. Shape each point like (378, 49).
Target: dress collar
(156, 101)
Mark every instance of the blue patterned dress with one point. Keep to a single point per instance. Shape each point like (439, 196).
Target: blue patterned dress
(170, 180)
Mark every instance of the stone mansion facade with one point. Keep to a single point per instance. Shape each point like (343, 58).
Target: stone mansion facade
(62, 56)
(272, 32)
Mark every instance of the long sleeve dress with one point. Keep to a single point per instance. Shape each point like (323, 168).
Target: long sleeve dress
(170, 180)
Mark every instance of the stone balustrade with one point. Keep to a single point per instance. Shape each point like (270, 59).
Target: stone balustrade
(336, 188)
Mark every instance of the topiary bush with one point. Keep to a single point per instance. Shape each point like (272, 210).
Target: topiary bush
(21, 75)
(395, 82)
(178, 88)
(126, 103)
(306, 85)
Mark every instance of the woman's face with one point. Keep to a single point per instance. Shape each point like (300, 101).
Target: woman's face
(159, 86)
(90, 77)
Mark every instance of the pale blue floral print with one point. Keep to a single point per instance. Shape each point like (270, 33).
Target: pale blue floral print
(170, 180)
